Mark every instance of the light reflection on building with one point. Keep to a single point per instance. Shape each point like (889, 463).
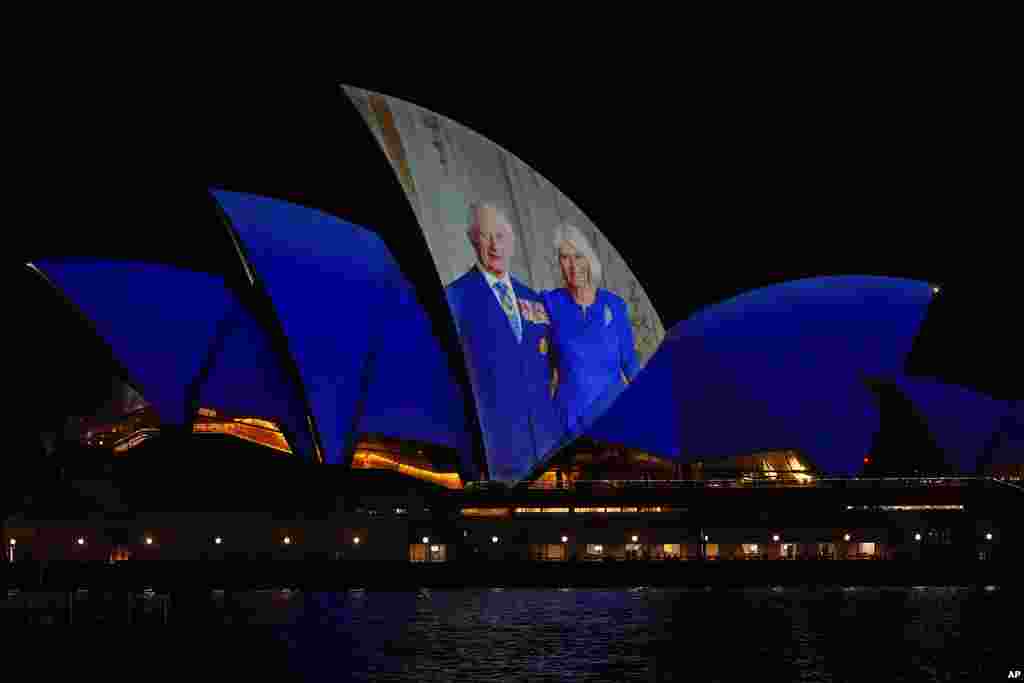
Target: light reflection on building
(253, 429)
(132, 430)
(119, 435)
(420, 461)
(594, 461)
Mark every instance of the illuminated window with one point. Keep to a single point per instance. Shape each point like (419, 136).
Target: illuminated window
(551, 552)
(401, 511)
(711, 551)
(867, 548)
(557, 510)
(485, 512)
(120, 554)
(630, 509)
(671, 550)
(595, 549)
(750, 549)
(528, 509)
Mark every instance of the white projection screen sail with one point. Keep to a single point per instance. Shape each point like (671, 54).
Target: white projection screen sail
(552, 322)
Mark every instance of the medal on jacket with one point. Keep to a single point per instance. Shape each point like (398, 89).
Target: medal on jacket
(607, 315)
(526, 310)
(543, 346)
(534, 311)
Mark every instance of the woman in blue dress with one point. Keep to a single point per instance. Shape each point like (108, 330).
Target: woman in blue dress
(591, 335)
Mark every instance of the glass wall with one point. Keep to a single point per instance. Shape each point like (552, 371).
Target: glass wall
(550, 552)
(428, 552)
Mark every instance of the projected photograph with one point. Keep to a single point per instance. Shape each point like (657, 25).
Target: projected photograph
(553, 324)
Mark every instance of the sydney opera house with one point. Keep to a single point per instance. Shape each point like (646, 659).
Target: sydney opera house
(488, 380)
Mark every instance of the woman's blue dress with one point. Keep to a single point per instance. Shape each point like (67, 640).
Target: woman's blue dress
(592, 349)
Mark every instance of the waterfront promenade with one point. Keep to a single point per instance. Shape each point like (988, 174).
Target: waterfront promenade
(339, 575)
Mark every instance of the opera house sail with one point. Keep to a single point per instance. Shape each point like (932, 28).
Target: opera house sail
(553, 323)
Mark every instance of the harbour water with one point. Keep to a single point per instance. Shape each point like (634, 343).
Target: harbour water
(574, 634)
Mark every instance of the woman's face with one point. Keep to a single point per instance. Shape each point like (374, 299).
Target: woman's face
(575, 267)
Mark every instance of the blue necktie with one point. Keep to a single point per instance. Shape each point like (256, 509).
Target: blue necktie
(510, 309)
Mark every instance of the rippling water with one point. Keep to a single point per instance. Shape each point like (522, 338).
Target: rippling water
(629, 634)
(858, 634)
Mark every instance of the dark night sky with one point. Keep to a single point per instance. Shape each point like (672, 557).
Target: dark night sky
(708, 184)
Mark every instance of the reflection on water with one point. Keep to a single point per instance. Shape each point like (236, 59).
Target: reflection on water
(630, 634)
(647, 634)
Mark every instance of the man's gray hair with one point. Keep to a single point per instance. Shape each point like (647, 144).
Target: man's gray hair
(473, 221)
(574, 236)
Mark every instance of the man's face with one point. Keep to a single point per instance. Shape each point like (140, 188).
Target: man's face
(495, 243)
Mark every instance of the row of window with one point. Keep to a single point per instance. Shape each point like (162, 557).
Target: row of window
(504, 512)
(425, 552)
(373, 512)
(656, 508)
(905, 508)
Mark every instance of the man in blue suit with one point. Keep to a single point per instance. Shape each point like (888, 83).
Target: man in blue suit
(505, 337)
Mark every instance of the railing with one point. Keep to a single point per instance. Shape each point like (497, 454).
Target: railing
(779, 480)
(134, 439)
(1011, 484)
